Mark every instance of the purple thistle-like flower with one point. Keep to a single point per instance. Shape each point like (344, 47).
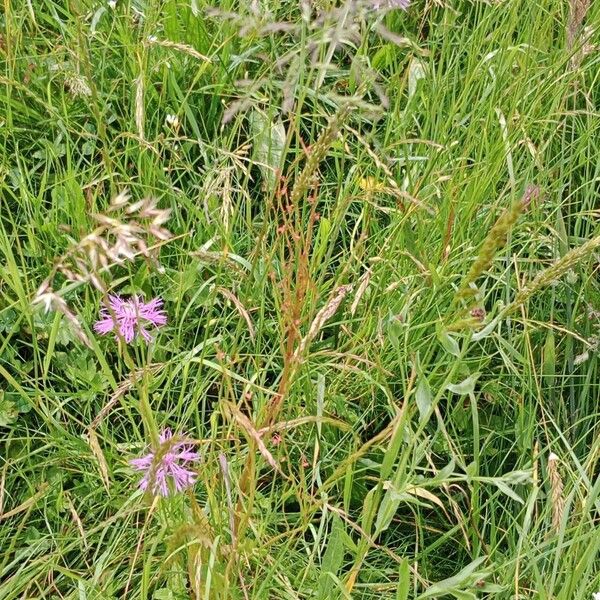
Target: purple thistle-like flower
(130, 317)
(168, 462)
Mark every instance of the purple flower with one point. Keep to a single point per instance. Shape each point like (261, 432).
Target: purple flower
(379, 4)
(130, 317)
(167, 463)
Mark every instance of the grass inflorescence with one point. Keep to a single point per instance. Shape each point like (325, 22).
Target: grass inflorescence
(345, 255)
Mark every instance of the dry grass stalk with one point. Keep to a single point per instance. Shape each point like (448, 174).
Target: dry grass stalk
(323, 316)
(123, 387)
(77, 520)
(25, 506)
(185, 48)
(94, 444)
(286, 425)
(52, 301)
(362, 288)
(246, 424)
(577, 12)
(240, 308)
(227, 480)
(116, 239)
(218, 258)
(297, 235)
(139, 106)
(556, 492)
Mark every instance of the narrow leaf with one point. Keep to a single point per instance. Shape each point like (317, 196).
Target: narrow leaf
(403, 580)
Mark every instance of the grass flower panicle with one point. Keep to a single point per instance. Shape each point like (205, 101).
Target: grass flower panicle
(130, 317)
(389, 4)
(167, 463)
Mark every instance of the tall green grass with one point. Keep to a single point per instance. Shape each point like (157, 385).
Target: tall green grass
(332, 178)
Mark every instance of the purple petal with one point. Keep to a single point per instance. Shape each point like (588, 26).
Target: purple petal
(141, 464)
(166, 434)
(152, 312)
(157, 319)
(145, 334)
(175, 453)
(127, 330)
(182, 477)
(129, 316)
(187, 455)
(161, 483)
(153, 305)
(104, 326)
(116, 303)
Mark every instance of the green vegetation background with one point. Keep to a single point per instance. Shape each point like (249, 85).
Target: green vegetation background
(427, 441)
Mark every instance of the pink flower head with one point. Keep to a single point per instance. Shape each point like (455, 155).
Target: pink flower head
(167, 463)
(130, 317)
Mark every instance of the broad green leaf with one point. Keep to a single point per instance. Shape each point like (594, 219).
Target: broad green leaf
(8, 411)
(489, 328)
(464, 387)
(448, 342)
(369, 507)
(268, 145)
(423, 399)
(505, 489)
(322, 239)
(383, 57)
(445, 473)
(416, 71)
(8, 317)
(333, 558)
(456, 584)
(387, 510)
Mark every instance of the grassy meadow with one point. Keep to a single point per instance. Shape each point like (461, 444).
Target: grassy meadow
(376, 234)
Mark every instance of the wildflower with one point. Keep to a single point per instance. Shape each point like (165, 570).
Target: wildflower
(596, 596)
(167, 463)
(130, 317)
